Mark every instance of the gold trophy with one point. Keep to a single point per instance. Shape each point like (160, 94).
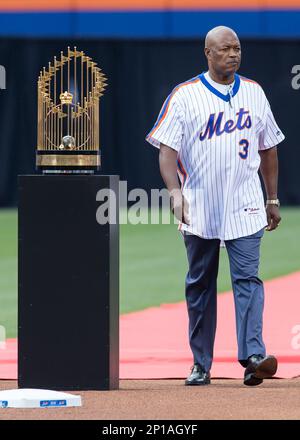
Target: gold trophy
(68, 115)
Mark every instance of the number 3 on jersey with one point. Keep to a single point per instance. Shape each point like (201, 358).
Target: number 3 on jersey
(245, 144)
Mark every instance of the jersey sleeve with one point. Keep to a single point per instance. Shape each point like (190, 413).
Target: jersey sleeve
(270, 134)
(168, 129)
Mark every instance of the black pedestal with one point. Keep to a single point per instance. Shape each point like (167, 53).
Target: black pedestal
(68, 285)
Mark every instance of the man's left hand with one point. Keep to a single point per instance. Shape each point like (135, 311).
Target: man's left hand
(273, 217)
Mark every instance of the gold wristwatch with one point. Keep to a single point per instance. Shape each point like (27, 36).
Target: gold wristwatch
(273, 202)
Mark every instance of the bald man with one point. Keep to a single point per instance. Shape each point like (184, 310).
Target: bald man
(215, 132)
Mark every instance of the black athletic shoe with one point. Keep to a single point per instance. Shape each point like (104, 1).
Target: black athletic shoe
(259, 368)
(198, 376)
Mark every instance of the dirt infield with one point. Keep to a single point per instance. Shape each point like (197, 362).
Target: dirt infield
(170, 399)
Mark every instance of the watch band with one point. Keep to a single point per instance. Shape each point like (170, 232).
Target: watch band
(273, 202)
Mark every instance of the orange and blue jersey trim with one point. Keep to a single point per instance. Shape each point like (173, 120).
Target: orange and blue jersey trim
(164, 111)
(182, 172)
(161, 116)
(243, 78)
(219, 94)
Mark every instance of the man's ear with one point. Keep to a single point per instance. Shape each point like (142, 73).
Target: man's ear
(207, 52)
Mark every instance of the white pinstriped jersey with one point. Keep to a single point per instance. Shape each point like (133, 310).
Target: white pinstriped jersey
(217, 138)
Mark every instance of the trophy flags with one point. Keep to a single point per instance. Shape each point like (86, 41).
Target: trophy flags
(69, 90)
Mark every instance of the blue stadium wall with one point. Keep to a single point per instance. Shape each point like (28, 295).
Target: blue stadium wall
(148, 18)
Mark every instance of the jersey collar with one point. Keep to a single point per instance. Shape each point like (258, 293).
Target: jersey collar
(219, 94)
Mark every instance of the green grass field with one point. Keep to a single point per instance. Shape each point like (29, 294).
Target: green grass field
(153, 263)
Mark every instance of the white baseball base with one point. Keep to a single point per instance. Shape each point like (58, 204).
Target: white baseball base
(35, 398)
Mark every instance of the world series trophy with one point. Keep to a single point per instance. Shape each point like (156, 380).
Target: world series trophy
(69, 91)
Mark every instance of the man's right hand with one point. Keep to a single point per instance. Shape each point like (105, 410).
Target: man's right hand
(180, 206)
(168, 170)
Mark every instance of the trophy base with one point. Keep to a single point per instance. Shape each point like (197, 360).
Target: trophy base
(67, 161)
(66, 171)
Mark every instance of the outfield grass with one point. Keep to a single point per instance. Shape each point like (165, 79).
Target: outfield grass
(153, 263)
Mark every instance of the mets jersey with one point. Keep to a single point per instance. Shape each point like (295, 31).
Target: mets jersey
(218, 137)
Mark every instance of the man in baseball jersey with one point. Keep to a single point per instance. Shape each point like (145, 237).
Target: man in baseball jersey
(215, 132)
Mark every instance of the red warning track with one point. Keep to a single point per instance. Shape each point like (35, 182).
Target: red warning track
(154, 342)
